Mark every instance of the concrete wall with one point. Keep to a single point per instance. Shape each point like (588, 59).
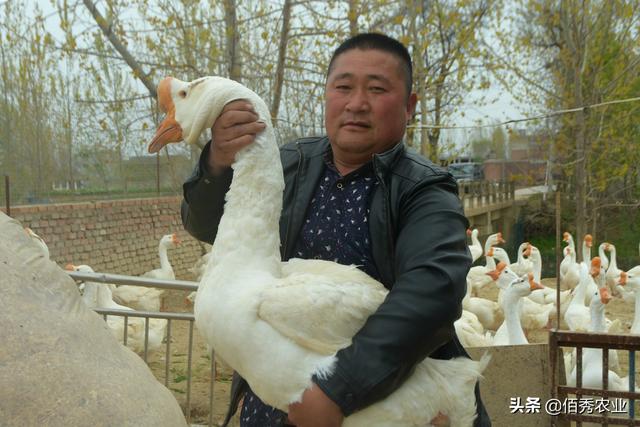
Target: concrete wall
(115, 236)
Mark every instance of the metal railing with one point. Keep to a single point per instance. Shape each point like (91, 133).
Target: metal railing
(579, 340)
(482, 193)
(170, 317)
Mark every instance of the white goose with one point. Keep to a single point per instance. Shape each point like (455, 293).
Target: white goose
(98, 295)
(631, 279)
(488, 312)
(533, 314)
(587, 243)
(546, 295)
(475, 248)
(569, 268)
(470, 331)
(578, 316)
(493, 240)
(514, 289)
(279, 324)
(477, 275)
(613, 273)
(602, 248)
(147, 298)
(592, 357)
(522, 265)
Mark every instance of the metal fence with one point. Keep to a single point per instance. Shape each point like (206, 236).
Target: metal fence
(170, 317)
(562, 392)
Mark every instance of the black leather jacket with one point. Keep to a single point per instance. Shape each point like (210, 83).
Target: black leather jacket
(418, 240)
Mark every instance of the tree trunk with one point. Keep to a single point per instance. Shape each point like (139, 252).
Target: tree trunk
(353, 17)
(282, 54)
(233, 40)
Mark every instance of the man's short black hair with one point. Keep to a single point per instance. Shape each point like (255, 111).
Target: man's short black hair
(377, 41)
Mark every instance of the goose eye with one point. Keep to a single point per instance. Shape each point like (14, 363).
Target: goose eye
(182, 94)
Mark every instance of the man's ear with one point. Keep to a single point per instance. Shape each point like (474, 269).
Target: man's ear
(411, 105)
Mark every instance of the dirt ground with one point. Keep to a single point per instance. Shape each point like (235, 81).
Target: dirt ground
(201, 362)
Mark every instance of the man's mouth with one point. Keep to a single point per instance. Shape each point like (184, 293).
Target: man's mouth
(357, 124)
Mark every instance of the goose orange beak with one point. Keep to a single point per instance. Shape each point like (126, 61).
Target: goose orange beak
(623, 278)
(604, 295)
(175, 239)
(595, 266)
(533, 284)
(169, 129)
(588, 240)
(495, 274)
(70, 267)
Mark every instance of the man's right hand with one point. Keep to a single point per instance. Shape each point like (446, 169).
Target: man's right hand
(234, 129)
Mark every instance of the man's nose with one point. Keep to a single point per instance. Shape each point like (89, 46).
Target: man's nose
(358, 101)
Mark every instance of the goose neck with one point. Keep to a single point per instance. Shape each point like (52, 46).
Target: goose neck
(512, 319)
(164, 258)
(104, 296)
(248, 232)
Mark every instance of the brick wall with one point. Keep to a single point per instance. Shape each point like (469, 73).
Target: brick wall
(115, 236)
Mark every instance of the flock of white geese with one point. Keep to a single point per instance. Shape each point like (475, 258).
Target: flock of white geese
(587, 287)
(97, 295)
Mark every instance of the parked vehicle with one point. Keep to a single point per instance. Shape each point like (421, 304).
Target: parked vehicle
(470, 171)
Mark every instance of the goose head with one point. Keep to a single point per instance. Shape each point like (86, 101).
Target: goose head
(500, 254)
(566, 237)
(191, 107)
(170, 240)
(630, 279)
(502, 274)
(492, 240)
(596, 270)
(83, 268)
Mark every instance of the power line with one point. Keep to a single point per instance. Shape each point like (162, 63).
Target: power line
(542, 116)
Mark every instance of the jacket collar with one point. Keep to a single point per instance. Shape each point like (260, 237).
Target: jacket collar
(384, 161)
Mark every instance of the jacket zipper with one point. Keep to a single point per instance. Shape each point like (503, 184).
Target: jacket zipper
(387, 213)
(293, 202)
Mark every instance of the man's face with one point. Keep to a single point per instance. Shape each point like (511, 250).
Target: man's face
(366, 104)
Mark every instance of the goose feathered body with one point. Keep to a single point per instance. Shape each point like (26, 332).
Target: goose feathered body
(278, 324)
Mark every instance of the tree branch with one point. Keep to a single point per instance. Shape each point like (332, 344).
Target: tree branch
(130, 60)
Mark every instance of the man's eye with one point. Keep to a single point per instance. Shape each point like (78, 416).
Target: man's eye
(376, 89)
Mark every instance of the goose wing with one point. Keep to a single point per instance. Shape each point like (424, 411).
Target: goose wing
(320, 305)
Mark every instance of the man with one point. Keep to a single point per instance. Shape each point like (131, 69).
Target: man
(393, 213)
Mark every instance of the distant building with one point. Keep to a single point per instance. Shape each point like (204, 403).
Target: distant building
(526, 161)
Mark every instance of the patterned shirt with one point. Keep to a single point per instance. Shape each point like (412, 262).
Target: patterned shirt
(336, 229)
(337, 224)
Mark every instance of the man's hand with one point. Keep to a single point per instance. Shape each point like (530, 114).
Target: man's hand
(234, 129)
(315, 410)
